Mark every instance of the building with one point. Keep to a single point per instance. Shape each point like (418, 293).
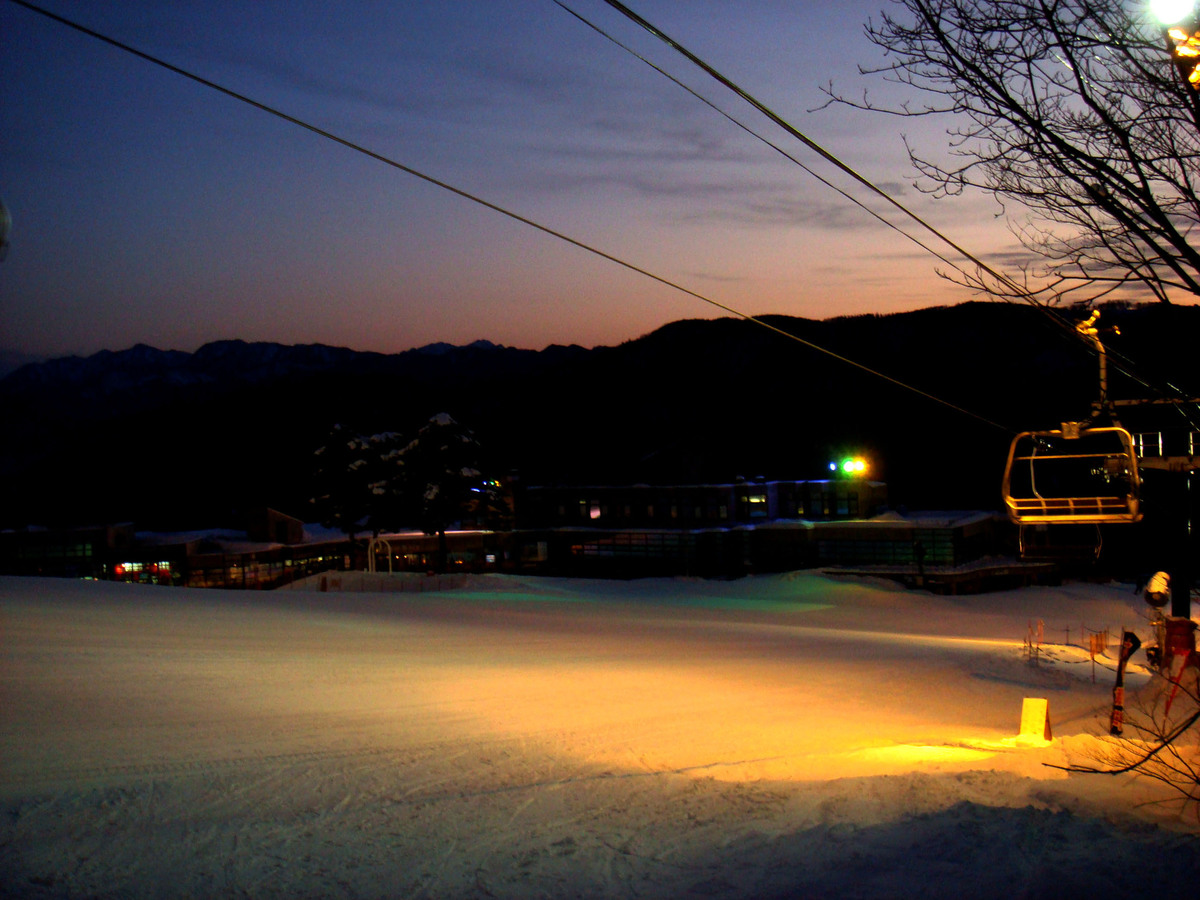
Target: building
(674, 507)
(608, 531)
(271, 526)
(70, 552)
(227, 559)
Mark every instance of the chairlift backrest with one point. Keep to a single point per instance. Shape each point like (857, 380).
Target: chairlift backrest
(1073, 475)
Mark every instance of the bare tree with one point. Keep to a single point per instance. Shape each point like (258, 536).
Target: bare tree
(1160, 741)
(1072, 109)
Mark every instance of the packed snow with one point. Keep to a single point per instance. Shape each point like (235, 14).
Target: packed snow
(799, 735)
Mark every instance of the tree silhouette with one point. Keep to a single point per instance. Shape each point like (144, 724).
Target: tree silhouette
(383, 482)
(442, 474)
(341, 480)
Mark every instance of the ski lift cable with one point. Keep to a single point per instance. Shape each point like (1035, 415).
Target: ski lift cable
(1066, 329)
(1007, 281)
(499, 209)
(811, 144)
(754, 134)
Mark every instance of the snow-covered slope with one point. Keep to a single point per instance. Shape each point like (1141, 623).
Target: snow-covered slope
(786, 736)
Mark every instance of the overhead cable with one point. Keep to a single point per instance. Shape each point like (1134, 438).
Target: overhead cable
(494, 207)
(807, 141)
(1017, 289)
(754, 134)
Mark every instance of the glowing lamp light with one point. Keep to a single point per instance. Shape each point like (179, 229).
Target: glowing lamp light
(1183, 35)
(849, 467)
(1171, 11)
(1187, 54)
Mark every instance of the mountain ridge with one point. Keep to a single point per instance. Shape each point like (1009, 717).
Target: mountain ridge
(167, 436)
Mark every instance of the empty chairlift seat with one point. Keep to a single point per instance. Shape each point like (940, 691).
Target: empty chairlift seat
(1073, 475)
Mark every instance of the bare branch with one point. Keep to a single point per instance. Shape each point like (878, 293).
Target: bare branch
(1070, 108)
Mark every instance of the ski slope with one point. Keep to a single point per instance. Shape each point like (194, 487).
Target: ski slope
(781, 736)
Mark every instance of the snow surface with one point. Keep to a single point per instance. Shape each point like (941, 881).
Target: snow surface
(784, 736)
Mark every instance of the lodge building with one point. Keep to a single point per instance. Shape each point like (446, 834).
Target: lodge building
(611, 531)
(698, 506)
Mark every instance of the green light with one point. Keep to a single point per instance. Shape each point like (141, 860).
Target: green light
(853, 465)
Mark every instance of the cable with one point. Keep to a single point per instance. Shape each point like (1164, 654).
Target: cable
(807, 141)
(1067, 331)
(1003, 279)
(754, 134)
(496, 208)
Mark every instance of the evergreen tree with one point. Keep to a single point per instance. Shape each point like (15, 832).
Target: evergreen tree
(385, 482)
(382, 482)
(341, 480)
(443, 475)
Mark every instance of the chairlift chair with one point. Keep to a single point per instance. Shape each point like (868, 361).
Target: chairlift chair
(1076, 475)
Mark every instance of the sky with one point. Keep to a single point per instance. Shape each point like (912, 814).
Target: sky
(147, 208)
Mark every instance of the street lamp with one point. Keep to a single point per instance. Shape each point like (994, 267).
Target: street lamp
(1178, 17)
(1168, 12)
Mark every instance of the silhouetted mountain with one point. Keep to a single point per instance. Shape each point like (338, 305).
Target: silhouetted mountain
(168, 438)
(11, 360)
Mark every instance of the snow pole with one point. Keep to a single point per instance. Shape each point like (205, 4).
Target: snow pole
(1129, 644)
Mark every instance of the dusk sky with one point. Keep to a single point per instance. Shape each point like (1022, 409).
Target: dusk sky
(149, 208)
